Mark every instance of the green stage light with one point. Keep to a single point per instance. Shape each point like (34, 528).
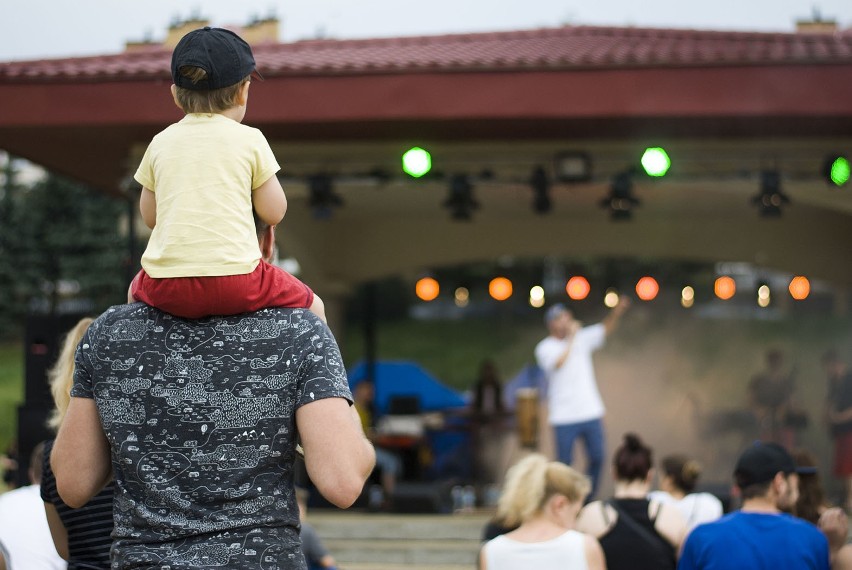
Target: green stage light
(837, 170)
(416, 162)
(656, 161)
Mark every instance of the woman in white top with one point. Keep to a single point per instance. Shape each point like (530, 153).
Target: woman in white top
(543, 497)
(680, 475)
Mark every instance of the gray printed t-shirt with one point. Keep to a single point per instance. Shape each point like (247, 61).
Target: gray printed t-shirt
(200, 419)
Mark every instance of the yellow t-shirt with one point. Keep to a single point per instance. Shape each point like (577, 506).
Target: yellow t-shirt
(202, 171)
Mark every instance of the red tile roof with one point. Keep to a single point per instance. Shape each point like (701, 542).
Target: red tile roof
(566, 48)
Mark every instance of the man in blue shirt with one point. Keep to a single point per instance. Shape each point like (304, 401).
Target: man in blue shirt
(759, 536)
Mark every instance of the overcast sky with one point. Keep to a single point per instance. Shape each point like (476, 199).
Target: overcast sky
(31, 29)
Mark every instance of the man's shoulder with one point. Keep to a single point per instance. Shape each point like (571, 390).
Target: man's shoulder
(289, 316)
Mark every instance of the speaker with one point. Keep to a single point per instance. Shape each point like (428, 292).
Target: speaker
(43, 336)
(32, 430)
(42, 340)
(422, 497)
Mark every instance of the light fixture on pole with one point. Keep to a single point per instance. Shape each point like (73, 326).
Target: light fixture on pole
(541, 191)
(460, 201)
(621, 201)
(322, 199)
(771, 198)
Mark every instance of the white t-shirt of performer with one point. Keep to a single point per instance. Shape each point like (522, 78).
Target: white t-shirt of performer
(573, 395)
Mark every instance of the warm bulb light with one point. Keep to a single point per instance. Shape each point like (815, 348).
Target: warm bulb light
(611, 298)
(500, 288)
(427, 289)
(578, 288)
(800, 288)
(725, 287)
(647, 288)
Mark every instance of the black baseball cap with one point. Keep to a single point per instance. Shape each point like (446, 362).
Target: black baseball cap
(224, 55)
(761, 462)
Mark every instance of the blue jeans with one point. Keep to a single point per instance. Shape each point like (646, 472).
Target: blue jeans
(592, 434)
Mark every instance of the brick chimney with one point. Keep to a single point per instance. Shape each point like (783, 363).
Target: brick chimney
(816, 25)
(180, 28)
(261, 31)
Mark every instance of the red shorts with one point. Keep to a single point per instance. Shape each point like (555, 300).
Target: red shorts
(843, 454)
(196, 297)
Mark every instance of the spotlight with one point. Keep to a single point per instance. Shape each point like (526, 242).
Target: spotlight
(500, 288)
(800, 287)
(656, 161)
(416, 162)
(573, 167)
(460, 201)
(322, 199)
(836, 170)
(621, 200)
(541, 191)
(771, 198)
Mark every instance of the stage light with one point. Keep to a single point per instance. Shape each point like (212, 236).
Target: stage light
(322, 199)
(462, 296)
(416, 162)
(541, 191)
(427, 289)
(656, 161)
(725, 287)
(621, 201)
(836, 170)
(578, 288)
(800, 288)
(460, 201)
(611, 298)
(537, 296)
(687, 297)
(500, 288)
(764, 296)
(573, 167)
(647, 288)
(771, 198)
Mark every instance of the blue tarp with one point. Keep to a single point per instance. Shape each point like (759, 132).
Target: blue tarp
(404, 378)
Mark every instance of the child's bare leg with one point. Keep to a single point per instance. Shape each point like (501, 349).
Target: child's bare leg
(318, 308)
(130, 298)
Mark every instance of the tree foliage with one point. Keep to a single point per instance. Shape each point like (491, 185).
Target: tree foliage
(61, 246)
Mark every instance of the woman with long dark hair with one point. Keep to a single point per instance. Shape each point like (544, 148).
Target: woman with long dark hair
(635, 533)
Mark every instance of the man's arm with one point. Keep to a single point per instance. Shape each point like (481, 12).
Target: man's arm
(611, 321)
(80, 458)
(338, 456)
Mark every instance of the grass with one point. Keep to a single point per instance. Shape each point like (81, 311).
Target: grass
(11, 390)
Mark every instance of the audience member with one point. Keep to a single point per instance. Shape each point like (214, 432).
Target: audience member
(24, 532)
(759, 535)
(81, 536)
(200, 419)
(542, 497)
(316, 554)
(813, 507)
(839, 417)
(677, 485)
(636, 533)
(574, 405)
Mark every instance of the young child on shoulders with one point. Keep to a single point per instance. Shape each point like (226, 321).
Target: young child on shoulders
(201, 179)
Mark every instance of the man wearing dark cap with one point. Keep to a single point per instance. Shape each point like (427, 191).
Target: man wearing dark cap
(759, 536)
(574, 405)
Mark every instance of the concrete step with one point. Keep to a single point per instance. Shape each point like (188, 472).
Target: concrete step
(372, 541)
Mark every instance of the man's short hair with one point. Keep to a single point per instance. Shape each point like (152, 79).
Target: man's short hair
(760, 463)
(553, 312)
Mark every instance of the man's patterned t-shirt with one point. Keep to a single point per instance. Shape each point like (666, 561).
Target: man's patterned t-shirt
(200, 418)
